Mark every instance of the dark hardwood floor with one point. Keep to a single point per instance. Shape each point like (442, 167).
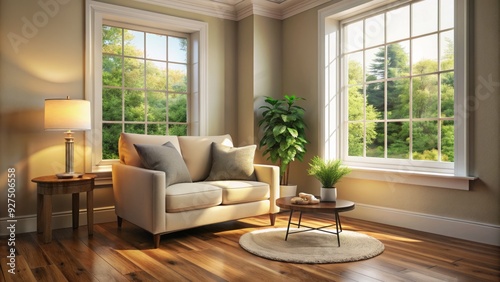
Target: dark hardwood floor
(212, 253)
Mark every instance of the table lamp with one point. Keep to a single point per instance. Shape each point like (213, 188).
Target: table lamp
(67, 115)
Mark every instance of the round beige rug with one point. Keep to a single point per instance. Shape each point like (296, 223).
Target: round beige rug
(310, 247)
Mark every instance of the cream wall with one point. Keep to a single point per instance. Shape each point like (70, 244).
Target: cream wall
(259, 74)
(245, 78)
(267, 77)
(482, 203)
(49, 64)
(300, 77)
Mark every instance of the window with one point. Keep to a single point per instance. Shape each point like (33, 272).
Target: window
(144, 84)
(399, 67)
(145, 73)
(394, 90)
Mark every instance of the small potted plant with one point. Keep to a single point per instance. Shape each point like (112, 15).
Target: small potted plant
(328, 173)
(284, 137)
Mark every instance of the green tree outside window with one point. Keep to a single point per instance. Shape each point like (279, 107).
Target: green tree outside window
(145, 86)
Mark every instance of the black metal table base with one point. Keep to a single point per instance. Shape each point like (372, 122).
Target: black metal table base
(337, 224)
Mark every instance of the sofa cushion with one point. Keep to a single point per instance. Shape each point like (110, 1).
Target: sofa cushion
(127, 152)
(235, 192)
(164, 158)
(191, 196)
(197, 153)
(231, 163)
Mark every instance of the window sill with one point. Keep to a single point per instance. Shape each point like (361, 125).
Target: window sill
(412, 177)
(103, 176)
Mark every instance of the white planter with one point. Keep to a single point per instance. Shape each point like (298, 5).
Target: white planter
(288, 190)
(328, 194)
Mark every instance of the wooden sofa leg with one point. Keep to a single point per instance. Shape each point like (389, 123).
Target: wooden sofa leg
(120, 221)
(156, 239)
(272, 217)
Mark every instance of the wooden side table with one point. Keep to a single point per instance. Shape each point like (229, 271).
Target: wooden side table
(51, 185)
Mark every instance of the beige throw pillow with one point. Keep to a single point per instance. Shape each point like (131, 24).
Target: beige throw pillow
(231, 163)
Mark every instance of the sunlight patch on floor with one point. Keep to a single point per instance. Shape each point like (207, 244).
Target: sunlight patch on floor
(382, 236)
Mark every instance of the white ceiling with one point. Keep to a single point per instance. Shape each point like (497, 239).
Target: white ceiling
(239, 9)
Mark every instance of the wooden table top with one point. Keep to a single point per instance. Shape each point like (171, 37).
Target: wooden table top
(338, 206)
(54, 179)
(51, 185)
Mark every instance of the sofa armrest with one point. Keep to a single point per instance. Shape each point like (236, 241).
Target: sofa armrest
(140, 196)
(270, 174)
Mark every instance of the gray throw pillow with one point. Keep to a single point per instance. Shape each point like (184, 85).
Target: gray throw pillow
(164, 158)
(231, 163)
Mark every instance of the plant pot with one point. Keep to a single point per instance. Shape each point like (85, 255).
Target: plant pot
(328, 194)
(288, 190)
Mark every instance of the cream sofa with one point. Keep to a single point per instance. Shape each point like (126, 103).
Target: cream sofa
(160, 203)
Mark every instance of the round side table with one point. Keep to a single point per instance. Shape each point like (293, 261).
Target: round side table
(51, 185)
(321, 207)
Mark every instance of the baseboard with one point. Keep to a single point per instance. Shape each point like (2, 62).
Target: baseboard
(457, 228)
(25, 224)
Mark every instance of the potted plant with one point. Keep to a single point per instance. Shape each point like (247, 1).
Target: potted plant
(284, 133)
(328, 173)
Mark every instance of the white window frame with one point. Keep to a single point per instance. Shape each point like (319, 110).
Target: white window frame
(98, 13)
(332, 106)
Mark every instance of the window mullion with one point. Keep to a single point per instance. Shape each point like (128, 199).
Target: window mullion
(386, 75)
(439, 121)
(145, 87)
(123, 79)
(167, 92)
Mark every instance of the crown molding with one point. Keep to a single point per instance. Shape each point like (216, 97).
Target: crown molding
(239, 9)
(209, 8)
(302, 6)
(256, 9)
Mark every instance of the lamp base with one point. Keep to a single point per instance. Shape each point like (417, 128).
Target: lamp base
(67, 175)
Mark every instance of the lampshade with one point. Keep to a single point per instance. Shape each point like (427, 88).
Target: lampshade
(66, 114)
